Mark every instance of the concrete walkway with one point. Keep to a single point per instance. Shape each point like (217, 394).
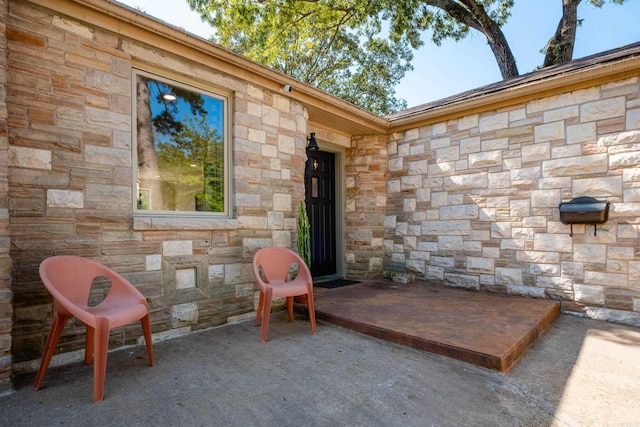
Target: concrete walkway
(579, 373)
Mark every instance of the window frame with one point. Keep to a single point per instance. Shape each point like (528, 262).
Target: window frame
(220, 95)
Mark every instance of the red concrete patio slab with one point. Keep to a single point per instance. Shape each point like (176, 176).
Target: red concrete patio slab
(484, 329)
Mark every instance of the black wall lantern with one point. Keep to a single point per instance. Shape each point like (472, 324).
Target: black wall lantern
(313, 144)
(584, 210)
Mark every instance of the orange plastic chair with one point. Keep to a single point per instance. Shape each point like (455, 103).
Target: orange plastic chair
(275, 263)
(69, 279)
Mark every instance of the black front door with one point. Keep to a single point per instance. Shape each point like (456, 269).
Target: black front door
(320, 192)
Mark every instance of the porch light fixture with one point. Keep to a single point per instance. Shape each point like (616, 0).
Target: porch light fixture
(313, 144)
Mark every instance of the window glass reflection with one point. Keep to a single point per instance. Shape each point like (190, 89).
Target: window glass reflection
(180, 148)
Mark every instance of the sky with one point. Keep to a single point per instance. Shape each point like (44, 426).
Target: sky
(455, 67)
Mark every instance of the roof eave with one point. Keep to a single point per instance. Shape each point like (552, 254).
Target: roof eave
(323, 108)
(506, 95)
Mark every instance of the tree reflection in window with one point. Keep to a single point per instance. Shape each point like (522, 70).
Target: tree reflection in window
(180, 147)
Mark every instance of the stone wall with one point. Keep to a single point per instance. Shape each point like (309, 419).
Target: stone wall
(366, 202)
(6, 309)
(70, 184)
(473, 201)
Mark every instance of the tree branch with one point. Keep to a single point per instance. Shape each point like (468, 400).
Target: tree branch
(559, 48)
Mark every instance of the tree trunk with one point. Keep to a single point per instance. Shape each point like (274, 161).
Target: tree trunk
(478, 19)
(148, 171)
(501, 50)
(559, 48)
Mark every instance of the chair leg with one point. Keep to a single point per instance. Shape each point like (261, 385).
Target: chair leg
(260, 307)
(146, 328)
(57, 326)
(290, 308)
(265, 315)
(100, 359)
(89, 346)
(312, 313)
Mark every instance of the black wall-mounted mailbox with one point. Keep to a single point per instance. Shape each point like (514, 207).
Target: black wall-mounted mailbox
(584, 210)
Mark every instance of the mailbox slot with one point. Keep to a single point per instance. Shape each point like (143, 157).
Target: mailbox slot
(584, 210)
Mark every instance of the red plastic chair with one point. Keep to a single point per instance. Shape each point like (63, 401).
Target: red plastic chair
(275, 263)
(69, 279)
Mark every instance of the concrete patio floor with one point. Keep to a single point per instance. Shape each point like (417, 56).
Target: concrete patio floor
(485, 329)
(580, 372)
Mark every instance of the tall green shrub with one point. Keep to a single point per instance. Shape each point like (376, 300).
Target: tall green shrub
(304, 235)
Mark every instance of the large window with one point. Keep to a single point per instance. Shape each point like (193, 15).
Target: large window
(182, 149)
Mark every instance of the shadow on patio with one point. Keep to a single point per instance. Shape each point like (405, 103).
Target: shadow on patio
(578, 372)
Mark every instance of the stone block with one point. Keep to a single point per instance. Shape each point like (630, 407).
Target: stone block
(603, 109)
(572, 270)
(434, 273)
(536, 152)
(177, 248)
(470, 145)
(545, 198)
(544, 269)
(589, 253)
(437, 228)
(417, 167)
(485, 159)
(480, 265)
(549, 132)
(558, 114)
(495, 144)
(615, 316)
(625, 159)
(396, 164)
(30, 157)
(153, 262)
(439, 143)
(462, 281)
(584, 165)
(621, 138)
(605, 279)
(544, 257)
(286, 144)
(282, 238)
(552, 242)
(440, 261)
(459, 212)
(184, 314)
(633, 119)
(562, 100)
(602, 187)
(554, 283)
(450, 243)
(447, 154)
(526, 291)
(65, 199)
(627, 231)
(472, 181)
(415, 266)
(493, 121)
(508, 276)
(583, 132)
(410, 182)
(416, 150)
(468, 122)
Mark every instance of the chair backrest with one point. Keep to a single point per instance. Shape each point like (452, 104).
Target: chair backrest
(69, 278)
(276, 261)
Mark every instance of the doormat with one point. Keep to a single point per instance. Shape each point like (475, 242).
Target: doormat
(337, 283)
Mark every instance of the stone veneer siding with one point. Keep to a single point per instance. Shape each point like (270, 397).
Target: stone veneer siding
(70, 185)
(473, 201)
(6, 308)
(366, 201)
